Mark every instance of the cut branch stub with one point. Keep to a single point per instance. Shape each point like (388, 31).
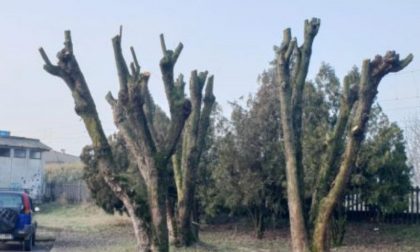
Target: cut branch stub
(135, 66)
(169, 57)
(67, 41)
(197, 82)
(209, 96)
(68, 69)
(286, 49)
(351, 87)
(122, 69)
(209, 100)
(372, 73)
(312, 27)
(179, 106)
(391, 62)
(49, 67)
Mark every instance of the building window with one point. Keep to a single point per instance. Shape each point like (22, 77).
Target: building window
(19, 153)
(34, 154)
(4, 152)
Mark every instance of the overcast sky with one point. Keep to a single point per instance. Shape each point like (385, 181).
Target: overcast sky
(231, 39)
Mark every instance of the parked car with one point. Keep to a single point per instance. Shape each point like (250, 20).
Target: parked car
(16, 218)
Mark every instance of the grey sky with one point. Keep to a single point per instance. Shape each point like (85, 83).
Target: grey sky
(231, 39)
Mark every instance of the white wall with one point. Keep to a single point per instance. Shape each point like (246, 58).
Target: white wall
(23, 173)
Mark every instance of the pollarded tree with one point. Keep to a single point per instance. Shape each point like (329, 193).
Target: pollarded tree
(133, 115)
(292, 64)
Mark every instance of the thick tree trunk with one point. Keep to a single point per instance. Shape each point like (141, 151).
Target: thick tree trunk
(291, 77)
(187, 160)
(195, 218)
(157, 201)
(172, 227)
(297, 222)
(143, 240)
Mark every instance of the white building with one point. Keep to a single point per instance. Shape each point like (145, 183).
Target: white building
(21, 163)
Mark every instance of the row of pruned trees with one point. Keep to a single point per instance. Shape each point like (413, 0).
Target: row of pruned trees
(151, 165)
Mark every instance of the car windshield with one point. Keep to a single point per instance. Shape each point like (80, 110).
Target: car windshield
(10, 200)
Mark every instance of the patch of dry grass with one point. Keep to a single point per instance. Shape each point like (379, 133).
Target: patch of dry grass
(86, 228)
(84, 217)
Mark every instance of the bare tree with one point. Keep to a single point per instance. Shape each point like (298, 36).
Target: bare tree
(133, 112)
(292, 64)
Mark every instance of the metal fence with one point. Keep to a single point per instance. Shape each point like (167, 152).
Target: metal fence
(73, 192)
(357, 209)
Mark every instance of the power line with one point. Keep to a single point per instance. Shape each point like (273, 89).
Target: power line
(407, 72)
(412, 107)
(400, 99)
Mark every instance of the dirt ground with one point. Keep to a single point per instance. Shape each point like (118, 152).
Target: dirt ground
(86, 229)
(74, 241)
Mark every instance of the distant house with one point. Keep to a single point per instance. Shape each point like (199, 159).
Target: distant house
(21, 163)
(56, 157)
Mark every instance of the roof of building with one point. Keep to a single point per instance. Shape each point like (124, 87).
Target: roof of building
(12, 141)
(56, 157)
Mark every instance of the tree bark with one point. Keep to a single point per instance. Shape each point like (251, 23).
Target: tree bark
(292, 65)
(172, 227)
(186, 164)
(334, 143)
(68, 69)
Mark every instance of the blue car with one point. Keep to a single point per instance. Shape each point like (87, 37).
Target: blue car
(16, 218)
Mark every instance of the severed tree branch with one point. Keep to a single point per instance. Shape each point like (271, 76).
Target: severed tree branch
(129, 111)
(335, 142)
(209, 100)
(179, 106)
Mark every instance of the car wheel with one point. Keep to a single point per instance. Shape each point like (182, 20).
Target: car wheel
(27, 244)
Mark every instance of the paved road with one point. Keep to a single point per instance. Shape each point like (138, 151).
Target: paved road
(40, 247)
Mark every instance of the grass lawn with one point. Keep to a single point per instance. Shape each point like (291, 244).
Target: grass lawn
(86, 228)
